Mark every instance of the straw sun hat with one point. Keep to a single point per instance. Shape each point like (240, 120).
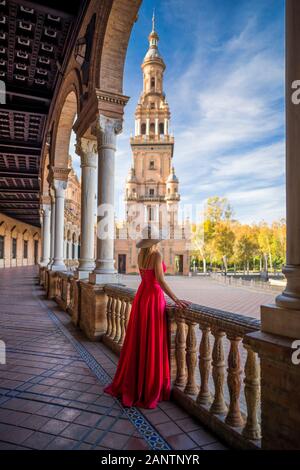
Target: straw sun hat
(150, 236)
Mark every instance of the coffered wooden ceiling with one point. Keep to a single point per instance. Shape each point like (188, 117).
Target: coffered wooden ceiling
(35, 38)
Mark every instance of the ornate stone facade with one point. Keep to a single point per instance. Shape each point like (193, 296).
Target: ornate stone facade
(72, 219)
(151, 192)
(20, 243)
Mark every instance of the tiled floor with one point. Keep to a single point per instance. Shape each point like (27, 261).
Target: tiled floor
(51, 389)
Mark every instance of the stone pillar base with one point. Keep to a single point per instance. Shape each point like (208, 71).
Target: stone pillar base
(42, 275)
(82, 274)
(74, 308)
(280, 321)
(59, 267)
(75, 300)
(52, 289)
(101, 279)
(92, 321)
(63, 298)
(280, 391)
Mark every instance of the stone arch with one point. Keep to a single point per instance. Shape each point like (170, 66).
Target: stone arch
(26, 235)
(109, 67)
(63, 128)
(36, 236)
(3, 228)
(67, 106)
(15, 233)
(45, 173)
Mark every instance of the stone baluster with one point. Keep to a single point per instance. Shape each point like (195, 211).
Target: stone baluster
(108, 312)
(117, 320)
(127, 313)
(204, 396)
(191, 387)
(113, 318)
(234, 417)
(218, 372)
(252, 394)
(180, 353)
(122, 320)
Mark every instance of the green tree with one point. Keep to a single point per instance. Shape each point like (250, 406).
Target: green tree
(246, 245)
(224, 242)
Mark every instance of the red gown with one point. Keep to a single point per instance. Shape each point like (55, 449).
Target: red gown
(142, 377)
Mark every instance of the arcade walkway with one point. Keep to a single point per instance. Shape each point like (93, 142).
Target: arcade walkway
(51, 389)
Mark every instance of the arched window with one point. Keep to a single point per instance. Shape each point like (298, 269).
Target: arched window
(2, 246)
(152, 82)
(143, 129)
(161, 128)
(73, 245)
(14, 248)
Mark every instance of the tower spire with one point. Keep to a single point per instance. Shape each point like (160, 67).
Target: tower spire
(153, 21)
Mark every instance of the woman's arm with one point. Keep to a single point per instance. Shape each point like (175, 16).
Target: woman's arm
(159, 274)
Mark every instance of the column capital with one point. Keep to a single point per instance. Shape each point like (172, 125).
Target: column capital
(59, 186)
(57, 173)
(45, 209)
(87, 150)
(106, 131)
(45, 199)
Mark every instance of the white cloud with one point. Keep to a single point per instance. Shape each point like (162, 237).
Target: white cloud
(226, 98)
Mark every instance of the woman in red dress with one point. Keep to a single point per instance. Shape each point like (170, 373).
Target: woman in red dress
(142, 377)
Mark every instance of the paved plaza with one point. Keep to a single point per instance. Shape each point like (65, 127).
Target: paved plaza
(51, 389)
(210, 293)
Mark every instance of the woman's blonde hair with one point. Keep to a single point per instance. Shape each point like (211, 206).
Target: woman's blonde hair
(145, 253)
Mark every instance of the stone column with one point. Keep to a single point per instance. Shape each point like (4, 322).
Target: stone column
(166, 126)
(58, 261)
(52, 228)
(87, 150)
(107, 130)
(139, 126)
(46, 215)
(76, 250)
(280, 323)
(290, 298)
(65, 249)
(156, 126)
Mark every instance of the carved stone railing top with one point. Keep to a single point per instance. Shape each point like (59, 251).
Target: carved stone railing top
(226, 321)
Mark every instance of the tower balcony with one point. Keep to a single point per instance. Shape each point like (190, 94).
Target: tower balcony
(151, 198)
(152, 139)
(172, 197)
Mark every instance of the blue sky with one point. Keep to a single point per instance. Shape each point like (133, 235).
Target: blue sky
(225, 86)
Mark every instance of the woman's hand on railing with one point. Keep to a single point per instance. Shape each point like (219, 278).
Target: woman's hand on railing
(183, 304)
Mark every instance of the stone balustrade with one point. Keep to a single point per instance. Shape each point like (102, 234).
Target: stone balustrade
(215, 374)
(208, 349)
(64, 287)
(119, 300)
